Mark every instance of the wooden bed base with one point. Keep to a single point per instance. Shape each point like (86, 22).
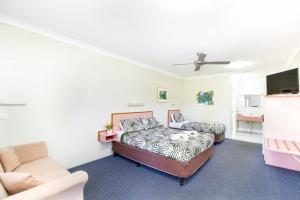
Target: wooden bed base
(219, 137)
(179, 169)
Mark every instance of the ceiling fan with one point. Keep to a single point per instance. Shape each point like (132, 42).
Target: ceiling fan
(198, 63)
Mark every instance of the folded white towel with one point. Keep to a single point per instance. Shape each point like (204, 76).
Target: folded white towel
(191, 133)
(181, 137)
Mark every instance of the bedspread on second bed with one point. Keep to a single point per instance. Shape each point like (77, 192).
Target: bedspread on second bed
(176, 144)
(215, 128)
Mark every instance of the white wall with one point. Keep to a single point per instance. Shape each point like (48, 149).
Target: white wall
(293, 63)
(221, 111)
(296, 61)
(70, 93)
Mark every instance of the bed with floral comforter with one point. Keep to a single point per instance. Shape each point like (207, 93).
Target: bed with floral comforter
(207, 127)
(172, 143)
(211, 127)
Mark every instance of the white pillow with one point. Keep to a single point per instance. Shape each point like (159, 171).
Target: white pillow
(119, 135)
(121, 126)
(178, 117)
(172, 118)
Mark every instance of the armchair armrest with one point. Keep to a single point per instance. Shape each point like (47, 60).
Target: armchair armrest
(67, 187)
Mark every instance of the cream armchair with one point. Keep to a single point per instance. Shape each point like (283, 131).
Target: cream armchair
(58, 183)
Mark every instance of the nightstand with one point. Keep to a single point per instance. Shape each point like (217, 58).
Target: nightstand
(104, 136)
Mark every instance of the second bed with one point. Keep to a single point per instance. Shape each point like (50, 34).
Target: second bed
(176, 121)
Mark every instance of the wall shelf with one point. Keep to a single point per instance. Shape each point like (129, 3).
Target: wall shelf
(12, 103)
(104, 136)
(135, 104)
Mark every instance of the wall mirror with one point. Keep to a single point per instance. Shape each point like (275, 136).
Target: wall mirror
(251, 100)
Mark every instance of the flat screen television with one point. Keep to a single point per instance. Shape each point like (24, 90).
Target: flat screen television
(283, 82)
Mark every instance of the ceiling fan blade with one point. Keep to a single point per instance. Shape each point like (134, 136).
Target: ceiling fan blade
(197, 68)
(182, 64)
(201, 57)
(217, 63)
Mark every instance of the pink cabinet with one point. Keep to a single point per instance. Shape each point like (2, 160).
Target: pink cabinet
(282, 131)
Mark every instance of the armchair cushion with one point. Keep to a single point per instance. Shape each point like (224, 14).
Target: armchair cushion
(50, 176)
(9, 159)
(38, 167)
(15, 182)
(31, 152)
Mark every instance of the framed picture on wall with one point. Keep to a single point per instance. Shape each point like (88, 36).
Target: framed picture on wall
(205, 98)
(162, 95)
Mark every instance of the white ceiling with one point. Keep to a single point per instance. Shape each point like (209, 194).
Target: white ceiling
(253, 33)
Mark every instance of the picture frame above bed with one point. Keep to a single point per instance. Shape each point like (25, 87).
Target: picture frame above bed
(162, 95)
(205, 98)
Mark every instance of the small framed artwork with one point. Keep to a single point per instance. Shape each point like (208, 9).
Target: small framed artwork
(205, 98)
(162, 95)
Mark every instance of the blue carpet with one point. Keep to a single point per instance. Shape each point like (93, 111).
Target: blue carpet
(236, 171)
